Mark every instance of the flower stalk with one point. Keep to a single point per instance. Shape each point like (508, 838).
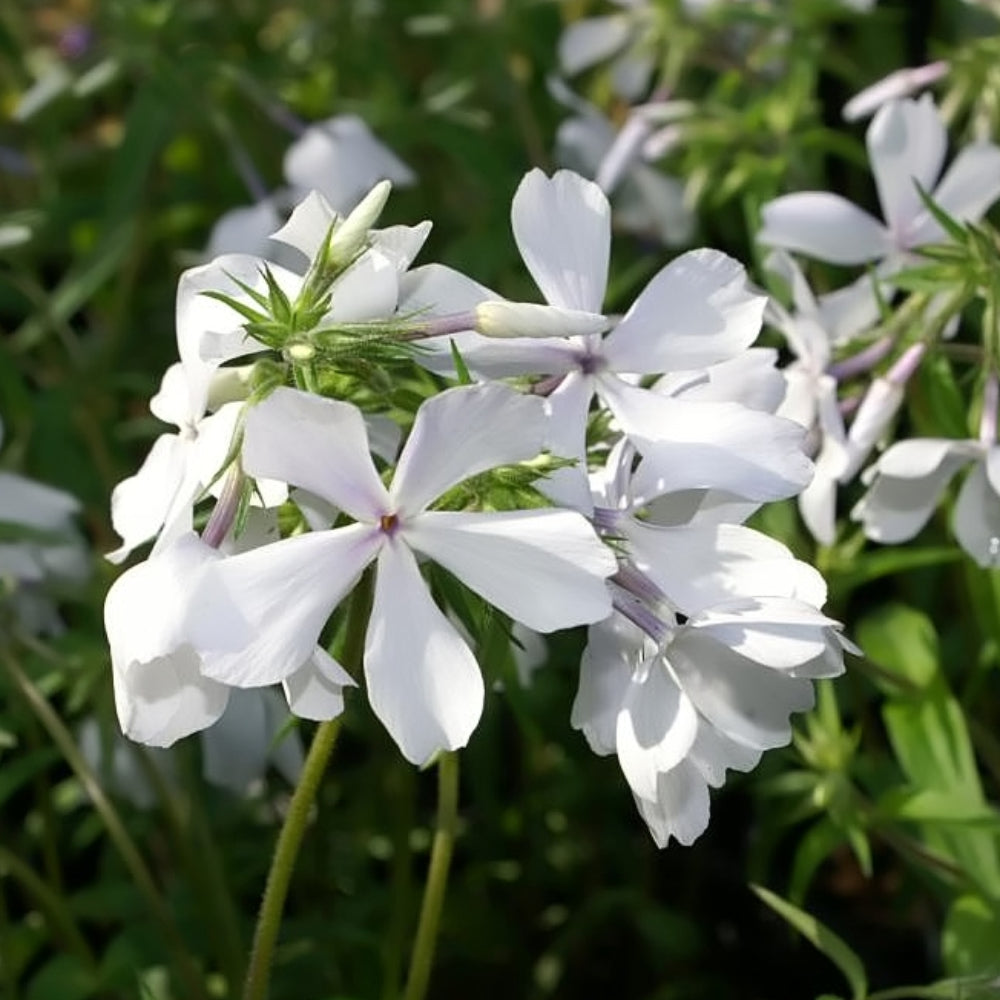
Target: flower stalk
(425, 943)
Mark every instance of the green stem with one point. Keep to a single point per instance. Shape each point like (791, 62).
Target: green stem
(422, 957)
(285, 853)
(286, 850)
(124, 844)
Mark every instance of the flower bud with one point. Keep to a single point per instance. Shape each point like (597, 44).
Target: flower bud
(498, 318)
(351, 236)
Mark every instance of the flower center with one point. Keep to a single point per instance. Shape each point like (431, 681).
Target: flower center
(389, 523)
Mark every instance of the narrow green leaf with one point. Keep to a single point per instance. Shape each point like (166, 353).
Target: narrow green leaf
(822, 938)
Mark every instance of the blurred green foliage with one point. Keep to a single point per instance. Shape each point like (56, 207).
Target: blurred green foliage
(122, 130)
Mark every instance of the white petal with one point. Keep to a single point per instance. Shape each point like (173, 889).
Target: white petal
(140, 504)
(423, 682)
(367, 290)
(342, 159)
(401, 244)
(234, 751)
(509, 558)
(707, 445)
(309, 225)
(182, 395)
(318, 444)
(713, 753)
(316, 690)
(906, 146)
(277, 599)
(630, 74)
(590, 40)
(818, 502)
(775, 631)
(697, 567)
(461, 432)
(655, 729)
(435, 290)
(609, 658)
(566, 437)
(694, 312)
(747, 702)
(244, 230)
(977, 518)
(650, 204)
(824, 226)
(916, 458)
(160, 693)
(24, 501)
(901, 501)
(970, 185)
(209, 331)
(750, 379)
(681, 809)
(562, 226)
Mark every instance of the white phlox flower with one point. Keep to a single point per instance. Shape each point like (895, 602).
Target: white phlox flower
(645, 200)
(626, 38)
(907, 142)
(906, 485)
(696, 312)
(422, 679)
(211, 333)
(895, 85)
(717, 637)
(342, 160)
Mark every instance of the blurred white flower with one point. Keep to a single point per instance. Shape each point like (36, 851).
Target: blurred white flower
(644, 200)
(907, 142)
(899, 83)
(342, 160)
(906, 485)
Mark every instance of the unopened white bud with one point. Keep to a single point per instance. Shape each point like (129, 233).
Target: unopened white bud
(352, 234)
(498, 318)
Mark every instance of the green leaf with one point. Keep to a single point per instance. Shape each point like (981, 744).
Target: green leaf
(815, 846)
(970, 940)
(900, 640)
(822, 938)
(64, 978)
(932, 805)
(464, 378)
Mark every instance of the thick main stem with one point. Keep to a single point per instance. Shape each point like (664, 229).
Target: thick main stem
(285, 853)
(422, 957)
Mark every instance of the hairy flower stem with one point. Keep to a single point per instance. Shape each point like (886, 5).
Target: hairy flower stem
(286, 851)
(422, 956)
(187, 970)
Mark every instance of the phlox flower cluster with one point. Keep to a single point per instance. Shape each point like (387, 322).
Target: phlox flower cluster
(569, 467)
(841, 337)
